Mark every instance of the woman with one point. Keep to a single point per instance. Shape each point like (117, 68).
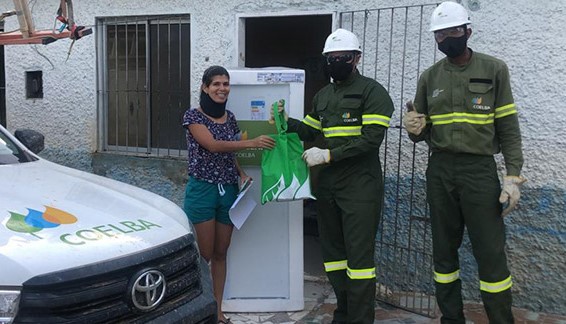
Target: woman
(212, 138)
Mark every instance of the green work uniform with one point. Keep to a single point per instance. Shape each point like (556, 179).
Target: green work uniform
(353, 116)
(471, 116)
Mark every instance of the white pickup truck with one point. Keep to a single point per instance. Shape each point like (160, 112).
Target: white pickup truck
(80, 248)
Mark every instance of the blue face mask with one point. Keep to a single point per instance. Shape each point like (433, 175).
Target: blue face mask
(454, 46)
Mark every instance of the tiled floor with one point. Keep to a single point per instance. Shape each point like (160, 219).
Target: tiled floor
(320, 302)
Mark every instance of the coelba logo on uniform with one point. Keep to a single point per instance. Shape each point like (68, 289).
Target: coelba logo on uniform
(36, 220)
(477, 104)
(347, 118)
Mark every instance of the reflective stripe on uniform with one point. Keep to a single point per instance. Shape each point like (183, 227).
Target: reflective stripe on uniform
(342, 131)
(495, 287)
(369, 119)
(309, 121)
(335, 265)
(506, 110)
(368, 273)
(478, 119)
(375, 119)
(446, 278)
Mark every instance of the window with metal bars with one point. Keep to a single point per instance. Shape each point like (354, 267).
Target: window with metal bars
(144, 83)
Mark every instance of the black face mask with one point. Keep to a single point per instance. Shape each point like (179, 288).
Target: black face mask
(454, 46)
(210, 107)
(340, 71)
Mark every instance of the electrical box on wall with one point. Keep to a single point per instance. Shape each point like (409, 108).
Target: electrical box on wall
(34, 84)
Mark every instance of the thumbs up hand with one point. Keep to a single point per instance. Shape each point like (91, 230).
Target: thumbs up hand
(413, 121)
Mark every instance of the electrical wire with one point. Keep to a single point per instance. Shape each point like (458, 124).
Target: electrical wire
(44, 56)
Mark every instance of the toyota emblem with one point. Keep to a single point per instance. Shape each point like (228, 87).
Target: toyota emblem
(148, 290)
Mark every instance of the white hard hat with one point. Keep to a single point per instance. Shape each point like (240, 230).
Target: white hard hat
(341, 40)
(449, 14)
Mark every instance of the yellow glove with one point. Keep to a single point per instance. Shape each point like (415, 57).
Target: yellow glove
(510, 193)
(413, 121)
(315, 156)
(280, 109)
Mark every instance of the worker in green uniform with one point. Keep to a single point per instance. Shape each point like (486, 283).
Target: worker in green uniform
(466, 114)
(353, 114)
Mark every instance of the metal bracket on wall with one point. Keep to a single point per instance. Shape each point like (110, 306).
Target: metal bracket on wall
(26, 34)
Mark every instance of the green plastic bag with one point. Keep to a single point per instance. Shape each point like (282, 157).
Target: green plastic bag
(284, 174)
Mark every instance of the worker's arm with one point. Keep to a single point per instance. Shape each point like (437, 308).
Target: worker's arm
(420, 105)
(308, 128)
(509, 136)
(507, 124)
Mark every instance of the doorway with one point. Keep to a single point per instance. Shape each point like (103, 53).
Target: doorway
(294, 42)
(290, 41)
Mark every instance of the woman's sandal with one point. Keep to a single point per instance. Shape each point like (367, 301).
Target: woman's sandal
(226, 321)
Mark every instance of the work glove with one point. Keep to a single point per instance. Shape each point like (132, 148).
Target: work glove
(510, 192)
(413, 121)
(315, 156)
(280, 109)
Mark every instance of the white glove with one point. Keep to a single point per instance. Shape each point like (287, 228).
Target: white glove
(510, 192)
(413, 121)
(315, 156)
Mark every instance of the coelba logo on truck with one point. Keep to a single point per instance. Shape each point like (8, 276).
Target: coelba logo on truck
(36, 220)
(52, 217)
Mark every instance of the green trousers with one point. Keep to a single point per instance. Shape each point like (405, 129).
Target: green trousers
(348, 214)
(463, 192)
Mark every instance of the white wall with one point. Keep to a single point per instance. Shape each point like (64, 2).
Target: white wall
(528, 35)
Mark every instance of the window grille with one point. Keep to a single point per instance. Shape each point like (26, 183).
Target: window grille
(143, 83)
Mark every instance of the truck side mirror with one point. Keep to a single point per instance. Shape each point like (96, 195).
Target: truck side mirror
(33, 140)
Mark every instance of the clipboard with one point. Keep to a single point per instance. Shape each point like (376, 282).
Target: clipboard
(247, 183)
(242, 206)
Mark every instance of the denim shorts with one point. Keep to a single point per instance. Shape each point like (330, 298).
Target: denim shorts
(205, 201)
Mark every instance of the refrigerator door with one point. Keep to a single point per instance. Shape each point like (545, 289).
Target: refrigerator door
(265, 259)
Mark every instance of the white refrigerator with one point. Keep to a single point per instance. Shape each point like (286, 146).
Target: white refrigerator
(265, 258)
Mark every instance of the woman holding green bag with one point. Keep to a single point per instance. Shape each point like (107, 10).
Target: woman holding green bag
(214, 174)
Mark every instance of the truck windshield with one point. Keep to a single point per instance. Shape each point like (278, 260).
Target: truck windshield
(10, 153)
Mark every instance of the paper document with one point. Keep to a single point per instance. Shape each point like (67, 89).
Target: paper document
(242, 206)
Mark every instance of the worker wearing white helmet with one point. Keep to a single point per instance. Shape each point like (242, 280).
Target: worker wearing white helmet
(353, 114)
(464, 110)
(449, 14)
(340, 44)
(341, 40)
(449, 22)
